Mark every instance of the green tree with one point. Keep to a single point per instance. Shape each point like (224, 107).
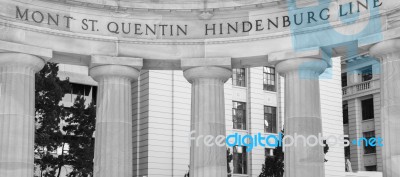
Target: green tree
(274, 165)
(77, 132)
(80, 128)
(49, 113)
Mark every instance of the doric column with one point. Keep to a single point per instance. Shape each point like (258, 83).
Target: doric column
(302, 115)
(113, 145)
(389, 54)
(207, 77)
(17, 112)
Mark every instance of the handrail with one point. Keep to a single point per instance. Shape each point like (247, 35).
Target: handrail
(359, 87)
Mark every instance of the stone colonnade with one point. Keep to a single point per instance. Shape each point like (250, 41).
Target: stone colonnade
(113, 148)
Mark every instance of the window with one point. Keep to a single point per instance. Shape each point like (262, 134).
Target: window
(370, 168)
(369, 149)
(366, 73)
(344, 79)
(239, 77)
(269, 79)
(239, 115)
(270, 119)
(239, 160)
(269, 152)
(87, 91)
(367, 108)
(79, 89)
(345, 113)
(62, 150)
(347, 150)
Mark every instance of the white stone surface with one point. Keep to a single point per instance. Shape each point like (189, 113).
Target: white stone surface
(388, 52)
(113, 146)
(207, 118)
(332, 118)
(17, 111)
(303, 115)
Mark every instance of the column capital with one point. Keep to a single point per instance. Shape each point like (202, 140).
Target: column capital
(215, 68)
(22, 59)
(383, 48)
(302, 64)
(102, 66)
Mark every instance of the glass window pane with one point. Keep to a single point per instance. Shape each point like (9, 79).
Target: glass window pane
(239, 160)
(367, 107)
(270, 119)
(269, 78)
(368, 149)
(239, 115)
(239, 77)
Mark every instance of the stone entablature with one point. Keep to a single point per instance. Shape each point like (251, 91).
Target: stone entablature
(179, 5)
(161, 25)
(22, 23)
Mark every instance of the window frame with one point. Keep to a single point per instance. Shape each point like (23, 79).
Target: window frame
(367, 111)
(239, 77)
(366, 73)
(269, 78)
(369, 149)
(274, 120)
(243, 160)
(235, 110)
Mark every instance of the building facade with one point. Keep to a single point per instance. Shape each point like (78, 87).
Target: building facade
(361, 110)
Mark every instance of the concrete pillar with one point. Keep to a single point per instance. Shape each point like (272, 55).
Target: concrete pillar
(388, 53)
(303, 115)
(113, 145)
(17, 113)
(207, 77)
(355, 132)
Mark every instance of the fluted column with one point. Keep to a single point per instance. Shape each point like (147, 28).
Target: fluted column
(17, 111)
(113, 145)
(302, 115)
(389, 54)
(207, 77)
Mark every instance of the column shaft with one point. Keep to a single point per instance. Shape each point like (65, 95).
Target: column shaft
(207, 115)
(113, 154)
(388, 52)
(113, 145)
(17, 111)
(208, 118)
(303, 116)
(390, 110)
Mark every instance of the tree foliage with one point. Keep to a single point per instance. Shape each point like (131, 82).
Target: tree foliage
(274, 165)
(80, 127)
(51, 134)
(49, 91)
